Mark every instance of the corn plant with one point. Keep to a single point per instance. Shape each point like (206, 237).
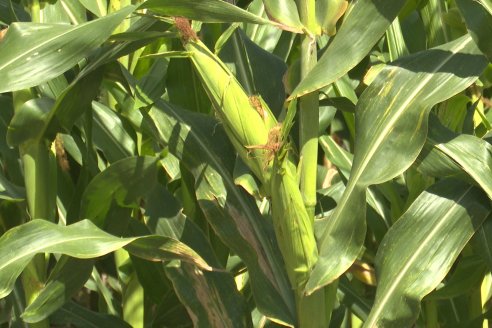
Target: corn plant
(249, 163)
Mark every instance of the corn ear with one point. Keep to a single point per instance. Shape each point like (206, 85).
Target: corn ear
(293, 228)
(246, 123)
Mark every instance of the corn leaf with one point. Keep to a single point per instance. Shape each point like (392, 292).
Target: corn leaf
(82, 240)
(285, 13)
(420, 248)
(463, 153)
(210, 11)
(478, 19)
(33, 53)
(124, 181)
(68, 276)
(363, 25)
(391, 120)
(79, 316)
(234, 217)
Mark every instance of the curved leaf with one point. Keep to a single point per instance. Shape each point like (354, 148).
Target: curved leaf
(33, 53)
(421, 247)
(391, 120)
(81, 317)
(10, 191)
(285, 13)
(30, 121)
(82, 240)
(478, 19)
(208, 296)
(121, 181)
(210, 11)
(465, 153)
(363, 25)
(68, 276)
(196, 139)
(11, 12)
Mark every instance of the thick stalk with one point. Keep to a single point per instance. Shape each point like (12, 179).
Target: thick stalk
(314, 310)
(309, 121)
(40, 182)
(35, 11)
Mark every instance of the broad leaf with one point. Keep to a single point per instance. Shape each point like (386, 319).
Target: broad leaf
(97, 7)
(10, 191)
(478, 19)
(211, 297)
(363, 25)
(343, 161)
(82, 240)
(110, 134)
(285, 13)
(79, 316)
(465, 153)
(235, 217)
(224, 303)
(12, 12)
(30, 121)
(123, 181)
(33, 53)
(210, 11)
(328, 12)
(68, 276)
(391, 121)
(421, 247)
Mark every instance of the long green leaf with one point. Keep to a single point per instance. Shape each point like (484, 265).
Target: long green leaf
(68, 276)
(363, 25)
(33, 53)
(30, 121)
(97, 7)
(421, 247)
(210, 11)
(82, 240)
(10, 191)
(285, 13)
(468, 153)
(210, 296)
(391, 120)
(342, 159)
(213, 299)
(79, 316)
(123, 181)
(235, 218)
(12, 12)
(478, 19)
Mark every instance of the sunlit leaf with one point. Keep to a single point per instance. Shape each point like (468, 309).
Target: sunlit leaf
(391, 120)
(363, 25)
(420, 248)
(82, 240)
(211, 11)
(33, 53)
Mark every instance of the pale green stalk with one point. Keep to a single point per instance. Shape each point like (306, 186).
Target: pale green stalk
(40, 183)
(309, 121)
(313, 310)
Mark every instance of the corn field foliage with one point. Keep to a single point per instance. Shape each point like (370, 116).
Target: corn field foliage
(265, 163)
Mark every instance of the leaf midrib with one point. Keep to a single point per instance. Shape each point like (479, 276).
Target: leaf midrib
(408, 264)
(410, 99)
